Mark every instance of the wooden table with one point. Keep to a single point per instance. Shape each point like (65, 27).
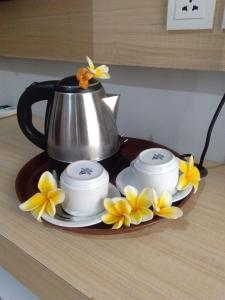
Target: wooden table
(182, 259)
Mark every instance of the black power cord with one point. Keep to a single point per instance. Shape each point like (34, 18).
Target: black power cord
(203, 171)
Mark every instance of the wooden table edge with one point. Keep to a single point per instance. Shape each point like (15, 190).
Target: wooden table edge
(34, 275)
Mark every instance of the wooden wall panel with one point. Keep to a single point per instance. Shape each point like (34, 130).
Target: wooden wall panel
(46, 29)
(121, 32)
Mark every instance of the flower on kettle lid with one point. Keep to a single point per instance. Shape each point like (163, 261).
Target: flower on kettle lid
(84, 74)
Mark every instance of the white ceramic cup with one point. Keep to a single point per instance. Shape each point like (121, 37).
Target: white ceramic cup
(86, 184)
(156, 168)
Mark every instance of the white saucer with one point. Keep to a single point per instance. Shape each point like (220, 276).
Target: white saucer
(125, 177)
(63, 219)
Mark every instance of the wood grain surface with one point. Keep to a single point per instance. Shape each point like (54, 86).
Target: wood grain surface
(120, 32)
(45, 284)
(182, 259)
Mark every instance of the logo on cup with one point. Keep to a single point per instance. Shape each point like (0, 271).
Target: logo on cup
(158, 156)
(85, 171)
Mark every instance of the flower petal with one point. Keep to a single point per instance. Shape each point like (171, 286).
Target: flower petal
(118, 224)
(195, 185)
(144, 199)
(50, 208)
(165, 200)
(47, 183)
(183, 166)
(110, 219)
(80, 73)
(170, 212)
(183, 182)
(154, 199)
(39, 212)
(57, 196)
(127, 221)
(102, 72)
(136, 217)
(190, 163)
(145, 212)
(88, 75)
(148, 217)
(194, 174)
(131, 194)
(42, 211)
(35, 201)
(109, 206)
(90, 63)
(84, 84)
(123, 207)
(36, 212)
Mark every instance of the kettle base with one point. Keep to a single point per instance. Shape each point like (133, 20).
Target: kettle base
(68, 158)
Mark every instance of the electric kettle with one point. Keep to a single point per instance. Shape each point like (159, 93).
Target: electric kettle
(79, 123)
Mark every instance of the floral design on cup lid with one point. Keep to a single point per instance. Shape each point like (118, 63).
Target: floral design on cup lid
(155, 160)
(83, 174)
(85, 171)
(158, 156)
(155, 156)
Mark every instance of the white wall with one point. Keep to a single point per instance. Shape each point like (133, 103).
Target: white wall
(171, 106)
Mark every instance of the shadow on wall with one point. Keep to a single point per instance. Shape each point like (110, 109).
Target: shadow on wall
(165, 79)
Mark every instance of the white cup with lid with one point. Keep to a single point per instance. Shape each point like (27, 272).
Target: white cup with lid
(156, 168)
(86, 184)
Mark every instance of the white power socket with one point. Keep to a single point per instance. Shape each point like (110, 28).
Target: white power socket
(190, 14)
(190, 9)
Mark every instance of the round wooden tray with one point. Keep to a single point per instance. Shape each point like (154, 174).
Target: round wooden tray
(27, 179)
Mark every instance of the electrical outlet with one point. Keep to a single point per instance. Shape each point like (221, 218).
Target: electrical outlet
(190, 14)
(190, 9)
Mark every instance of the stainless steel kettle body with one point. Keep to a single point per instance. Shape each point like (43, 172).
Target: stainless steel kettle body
(79, 124)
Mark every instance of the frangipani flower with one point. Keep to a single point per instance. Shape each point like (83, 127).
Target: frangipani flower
(139, 203)
(190, 175)
(46, 200)
(118, 212)
(101, 72)
(162, 206)
(83, 76)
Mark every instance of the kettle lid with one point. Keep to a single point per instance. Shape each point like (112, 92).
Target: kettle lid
(71, 85)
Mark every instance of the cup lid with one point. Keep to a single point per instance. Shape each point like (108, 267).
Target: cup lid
(156, 160)
(83, 173)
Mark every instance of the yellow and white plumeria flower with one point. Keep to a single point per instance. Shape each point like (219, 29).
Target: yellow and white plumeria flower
(162, 206)
(118, 211)
(46, 200)
(101, 72)
(139, 203)
(190, 176)
(135, 208)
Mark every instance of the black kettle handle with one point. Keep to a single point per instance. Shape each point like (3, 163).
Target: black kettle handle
(34, 93)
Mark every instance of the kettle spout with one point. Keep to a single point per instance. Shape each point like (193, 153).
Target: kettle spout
(112, 101)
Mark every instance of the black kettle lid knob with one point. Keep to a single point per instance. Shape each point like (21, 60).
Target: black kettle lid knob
(71, 85)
